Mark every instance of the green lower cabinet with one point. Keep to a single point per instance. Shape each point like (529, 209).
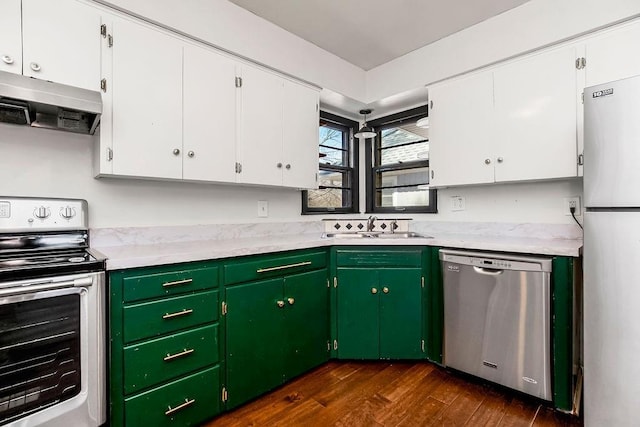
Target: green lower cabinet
(187, 401)
(379, 313)
(276, 329)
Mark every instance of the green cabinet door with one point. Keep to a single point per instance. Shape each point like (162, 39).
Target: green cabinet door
(306, 318)
(400, 313)
(358, 320)
(254, 352)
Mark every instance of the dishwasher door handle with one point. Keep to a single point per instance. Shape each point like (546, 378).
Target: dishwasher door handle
(487, 271)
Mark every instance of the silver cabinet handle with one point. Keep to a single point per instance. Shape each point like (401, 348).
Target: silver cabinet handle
(186, 403)
(191, 154)
(35, 66)
(288, 166)
(177, 314)
(487, 161)
(282, 267)
(279, 165)
(7, 59)
(176, 151)
(385, 290)
(500, 160)
(183, 353)
(176, 283)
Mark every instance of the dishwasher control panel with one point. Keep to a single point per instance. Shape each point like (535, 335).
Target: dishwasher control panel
(496, 261)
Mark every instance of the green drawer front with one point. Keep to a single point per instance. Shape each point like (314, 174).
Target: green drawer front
(189, 401)
(379, 258)
(145, 364)
(170, 283)
(266, 267)
(150, 319)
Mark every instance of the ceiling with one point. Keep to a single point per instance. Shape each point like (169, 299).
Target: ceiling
(368, 33)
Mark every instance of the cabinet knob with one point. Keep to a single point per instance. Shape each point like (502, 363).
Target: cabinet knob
(191, 154)
(487, 161)
(500, 160)
(279, 165)
(288, 166)
(290, 301)
(385, 290)
(280, 303)
(7, 59)
(176, 151)
(35, 66)
(374, 291)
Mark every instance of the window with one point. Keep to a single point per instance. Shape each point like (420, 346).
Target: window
(398, 165)
(338, 172)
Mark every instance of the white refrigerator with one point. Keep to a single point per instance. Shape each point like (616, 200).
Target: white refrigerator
(612, 254)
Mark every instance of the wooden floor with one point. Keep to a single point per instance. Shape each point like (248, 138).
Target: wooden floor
(390, 394)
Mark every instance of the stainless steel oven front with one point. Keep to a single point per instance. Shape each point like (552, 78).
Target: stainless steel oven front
(52, 351)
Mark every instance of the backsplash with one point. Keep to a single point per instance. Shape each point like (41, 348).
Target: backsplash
(353, 225)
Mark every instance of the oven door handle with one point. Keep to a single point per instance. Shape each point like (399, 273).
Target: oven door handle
(29, 288)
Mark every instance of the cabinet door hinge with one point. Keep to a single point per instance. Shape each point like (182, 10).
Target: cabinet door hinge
(223, 309)
(110, 40)
(238, 81)
(422, 281)
(581, 63)
(580, 159)
(103, 85)
(431, 105)
(317, 107)
(328, 345)
(225, 395)
(335, 282)
(328, 285)
(432, 173)
(109, 154)
(238, 167)
(582, 97)
(335, 344)
(422, 345)
(103, 30)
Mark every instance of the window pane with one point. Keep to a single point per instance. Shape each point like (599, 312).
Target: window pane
(405, 196)
(329, 198)
(331, 137)
(402, 177)
(403, 134)
(330, 156)
(405, 153)
(333, 179)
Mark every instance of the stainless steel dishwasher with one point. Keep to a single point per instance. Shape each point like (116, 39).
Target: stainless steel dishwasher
(497, 318)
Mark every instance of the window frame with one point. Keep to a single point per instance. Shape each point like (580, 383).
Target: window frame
(372, 158)
(349, 127)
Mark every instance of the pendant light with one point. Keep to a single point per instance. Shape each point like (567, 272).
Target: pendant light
(365, 131)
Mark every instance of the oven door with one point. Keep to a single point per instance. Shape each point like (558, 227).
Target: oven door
(52, 362)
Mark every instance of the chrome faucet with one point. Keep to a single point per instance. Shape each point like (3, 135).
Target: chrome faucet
(370, 222)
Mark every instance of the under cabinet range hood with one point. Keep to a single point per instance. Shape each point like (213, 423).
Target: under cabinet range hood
(42, 104)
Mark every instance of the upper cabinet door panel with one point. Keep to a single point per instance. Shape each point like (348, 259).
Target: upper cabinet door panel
(209, 116)
(461, 131)
(535, 107)
(613, 55)
(260, 148)
(10, 37)
(147, 102)
(300, 140)
(61, 42)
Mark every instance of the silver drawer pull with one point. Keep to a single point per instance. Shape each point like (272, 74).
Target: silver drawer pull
(283, 267)
(177, 314)
(176, 283)
(186, 403)
(186, 352)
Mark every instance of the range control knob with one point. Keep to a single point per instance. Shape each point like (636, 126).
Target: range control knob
(67, 212)
(42, 212)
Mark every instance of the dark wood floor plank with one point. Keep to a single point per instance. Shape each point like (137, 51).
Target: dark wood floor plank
(547, 417)
(462, 408)
(518, 413)
(491, 410)
(406, 383)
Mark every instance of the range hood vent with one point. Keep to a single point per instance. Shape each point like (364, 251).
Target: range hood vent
(38, 103)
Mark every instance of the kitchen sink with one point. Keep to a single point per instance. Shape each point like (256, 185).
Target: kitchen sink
(377, 235)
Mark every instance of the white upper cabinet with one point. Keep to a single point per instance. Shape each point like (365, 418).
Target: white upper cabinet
(10, 37)
(461, 131)
(209, 145)
(146, 93)
(261, 123)
(61, 42)
(612, 55)
(301, 133)
(535, 117)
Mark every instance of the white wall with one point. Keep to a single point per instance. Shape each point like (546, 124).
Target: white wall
(530, 26)
(239, 31)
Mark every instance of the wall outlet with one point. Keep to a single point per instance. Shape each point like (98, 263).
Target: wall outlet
(570, 202)
(457, 203)
(263, 208)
